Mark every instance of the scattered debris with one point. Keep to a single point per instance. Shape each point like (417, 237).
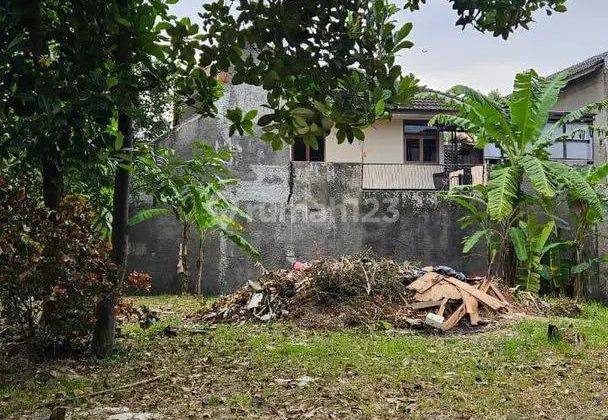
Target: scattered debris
(434, 320)
(562, 307)
(301, 382)
(99, 413)
(170, 331)
(147, 317)
(362, 290)
(58, 413)
(435, 287)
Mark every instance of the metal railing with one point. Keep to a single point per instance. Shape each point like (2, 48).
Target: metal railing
(421, 176)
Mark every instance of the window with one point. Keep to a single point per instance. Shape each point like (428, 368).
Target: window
(422, 148)
(300, 152)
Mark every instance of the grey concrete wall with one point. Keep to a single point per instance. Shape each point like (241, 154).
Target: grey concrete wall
(325, 212)
(300, 211)
(592, 88)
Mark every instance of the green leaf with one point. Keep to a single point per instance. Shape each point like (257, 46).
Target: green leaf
(404, 31)
(538, 175)
(543, 237)
(251, 114)
(148, 214)
(472, 240)
(522, 105)
(597, 174)
(359, 134)
(265, 120)
(379, 108)
(518, 239)
(549, 94)
(124, 22)
(503, 191)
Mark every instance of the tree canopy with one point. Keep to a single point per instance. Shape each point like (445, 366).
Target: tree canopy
(501, 17)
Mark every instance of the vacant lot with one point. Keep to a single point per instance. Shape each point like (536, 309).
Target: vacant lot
(277, 371)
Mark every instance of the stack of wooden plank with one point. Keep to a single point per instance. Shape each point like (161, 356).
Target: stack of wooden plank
(436, 290)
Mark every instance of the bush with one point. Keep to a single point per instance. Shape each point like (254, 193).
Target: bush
(53, 269)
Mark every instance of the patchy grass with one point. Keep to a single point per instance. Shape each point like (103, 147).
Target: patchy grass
(251, 371)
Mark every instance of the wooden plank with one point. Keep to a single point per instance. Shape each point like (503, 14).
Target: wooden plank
(425, 282)
(439, 291)
(481, 296)
(461, 311)
(454, 318)
(498, 293)
(441, 310)
(424, 305)
(472, 307)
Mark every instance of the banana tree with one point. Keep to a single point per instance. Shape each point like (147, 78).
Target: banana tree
(531, 240)
(518, 127)
(191, 191)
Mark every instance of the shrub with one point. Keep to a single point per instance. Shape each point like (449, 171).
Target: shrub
(53, 269)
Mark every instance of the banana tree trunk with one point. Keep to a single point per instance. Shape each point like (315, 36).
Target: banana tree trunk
(182, 261)
(581, 210)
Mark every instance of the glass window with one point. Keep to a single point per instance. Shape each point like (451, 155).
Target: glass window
(412, 152)
(319, 154)
(430, 150)
(299, 151)
(422, 149)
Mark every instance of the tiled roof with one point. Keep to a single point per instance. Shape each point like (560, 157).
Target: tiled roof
(583, 66)
(425, 104)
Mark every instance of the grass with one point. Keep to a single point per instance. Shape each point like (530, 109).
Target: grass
(251, 371)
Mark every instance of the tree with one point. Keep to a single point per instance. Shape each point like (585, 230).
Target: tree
(519, 131)
(501, 17)
(324, 67)
(73, 73)
(191, 191)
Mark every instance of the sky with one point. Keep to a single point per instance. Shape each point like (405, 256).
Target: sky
(444, 55)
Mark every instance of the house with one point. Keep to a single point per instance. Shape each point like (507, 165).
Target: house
(379, 195)
(404, 153)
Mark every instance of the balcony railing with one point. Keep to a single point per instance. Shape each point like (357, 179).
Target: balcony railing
(419, 176)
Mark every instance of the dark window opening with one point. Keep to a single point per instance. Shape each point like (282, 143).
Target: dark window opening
(300, 152)
(412, 150)
(429, 152)
(422, 149)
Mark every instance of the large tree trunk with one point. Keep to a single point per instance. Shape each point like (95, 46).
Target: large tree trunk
(103, 339)
(104, 333)
(52, 178)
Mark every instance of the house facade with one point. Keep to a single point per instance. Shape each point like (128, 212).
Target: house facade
(380, 195)
(588, 83)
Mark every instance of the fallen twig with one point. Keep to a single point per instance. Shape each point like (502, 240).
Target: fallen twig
(123, 387)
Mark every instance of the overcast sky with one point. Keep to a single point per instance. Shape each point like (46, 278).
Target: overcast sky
(445, 55)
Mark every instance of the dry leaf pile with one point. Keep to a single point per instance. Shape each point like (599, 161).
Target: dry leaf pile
(361, 290)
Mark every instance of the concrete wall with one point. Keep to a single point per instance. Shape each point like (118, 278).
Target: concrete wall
(592, 88)
(324, 212)
(300, 211)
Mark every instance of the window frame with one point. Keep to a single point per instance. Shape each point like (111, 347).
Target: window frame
(420, 138)
(308, 150)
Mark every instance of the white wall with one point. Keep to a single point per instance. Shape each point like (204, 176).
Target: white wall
(383, 144)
